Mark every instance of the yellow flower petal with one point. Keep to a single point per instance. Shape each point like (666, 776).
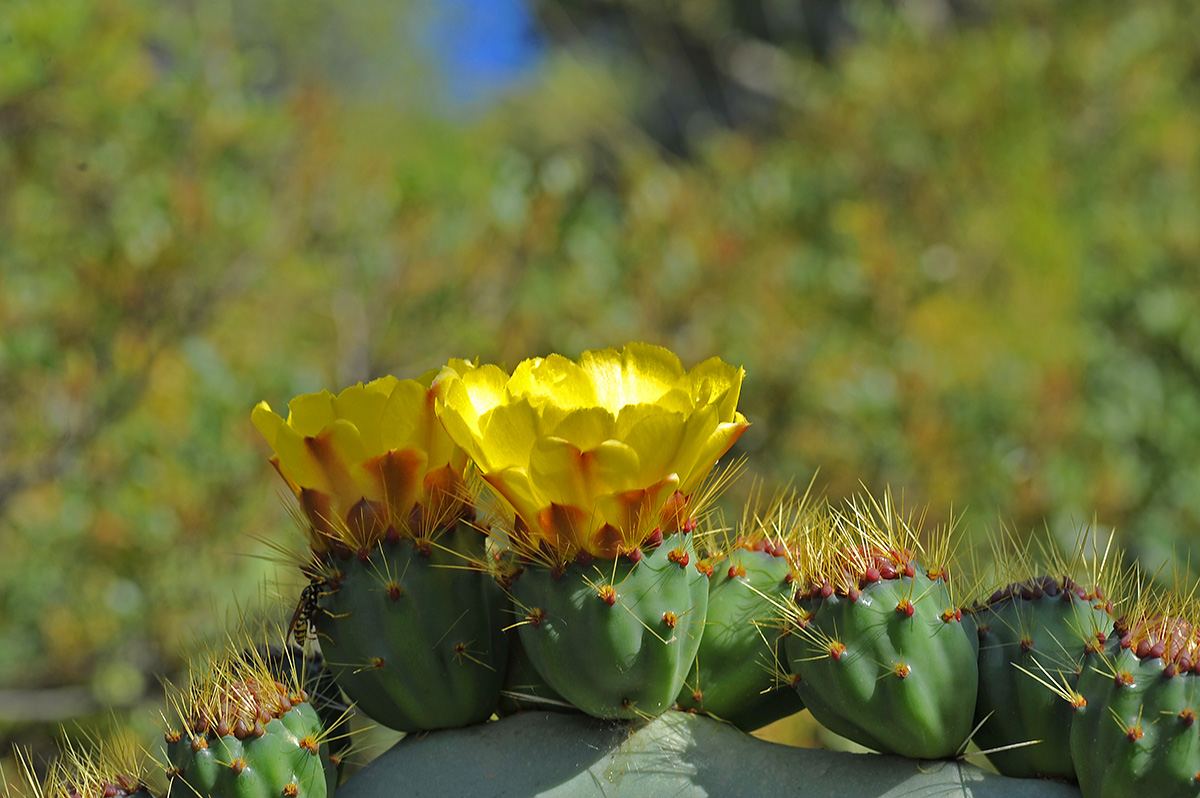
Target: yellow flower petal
(513, 484)
(639, 373)
(721, 382)
(362, 406)
(267, 421)
(586, 428)
(717, 444)
(578, 448)
(554, 378)
(310, 413)
(657, 439)
(560, 472)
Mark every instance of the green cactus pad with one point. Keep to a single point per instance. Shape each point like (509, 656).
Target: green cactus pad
(1033, 636)
(679, 755)
(284, 757)
(741, 673)
(893, 681)
(1138, 734)
(524, 688)
(616, 638)
(415, 637)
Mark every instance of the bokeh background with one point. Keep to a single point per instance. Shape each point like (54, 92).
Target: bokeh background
(953, 242)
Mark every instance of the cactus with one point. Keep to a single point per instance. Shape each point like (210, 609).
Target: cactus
(602, 462)
(1134, 729)
(878, 642)
(741, 673)
(413, 632)
(114, 766)
(399, 586)
(240, 732)
(524, 688)
(616, 640)
(679, 755)
(1036, 632)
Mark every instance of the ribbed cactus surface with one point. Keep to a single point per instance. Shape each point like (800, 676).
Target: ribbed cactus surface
(1035, 638)
(741, 672)
(887, 664)
(414, 632)
(260, 741)
(1137, 734)
(616, 638)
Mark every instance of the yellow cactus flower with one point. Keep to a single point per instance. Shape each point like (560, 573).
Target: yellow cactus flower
(369, 462)
(594, 455)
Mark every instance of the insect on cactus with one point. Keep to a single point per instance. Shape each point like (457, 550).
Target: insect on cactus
(408, 614)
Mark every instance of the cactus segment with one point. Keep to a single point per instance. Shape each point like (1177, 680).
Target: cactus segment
(894, 680)
(741, 673)
(413, 633)
(616, 638)
(1034, 635)
(1137, 733)
(109, 766)
(242, 757)
(524, 688)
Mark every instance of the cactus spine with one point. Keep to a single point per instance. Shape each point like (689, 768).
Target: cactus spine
(1135, 731)
(878, 641)
(1037, 632)
(741, 673)
(245, 729)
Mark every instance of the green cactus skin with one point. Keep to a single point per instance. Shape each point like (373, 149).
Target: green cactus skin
(734, 678)
(524, 688)
(1022, 626)
(902, 684)
(616, 638)
(1137, 734)
(288, 760)
(415, 639)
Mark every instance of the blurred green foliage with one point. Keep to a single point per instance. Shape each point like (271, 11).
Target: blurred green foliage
(962, 262)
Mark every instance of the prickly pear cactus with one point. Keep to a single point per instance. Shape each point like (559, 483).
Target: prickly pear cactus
(603, 467)
(1034, 639)
(616, 638)
(524, 688)
(400, 591)
(112, 766)
(240, 733)
(878, 642)
(414, 634)
(1135, 732)
(741, 673)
